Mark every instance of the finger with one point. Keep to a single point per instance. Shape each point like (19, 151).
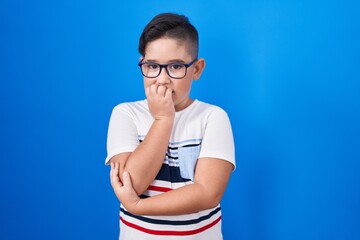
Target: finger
(161, 90)
(147, 92)
(112, 174)
(117, 175)
(152, 91)
(127, 180)
(115, 180)
(168, 93)
(112, 165)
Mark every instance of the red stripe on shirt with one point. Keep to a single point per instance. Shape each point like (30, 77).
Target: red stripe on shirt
(159, 189)
(168, 232)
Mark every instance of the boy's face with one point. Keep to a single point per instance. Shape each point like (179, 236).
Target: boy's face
(168, 50)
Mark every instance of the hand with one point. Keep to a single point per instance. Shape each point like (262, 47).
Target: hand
(124, 192)
(160, 101)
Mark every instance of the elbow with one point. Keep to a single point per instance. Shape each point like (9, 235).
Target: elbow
(139, 189)
(137, 183)
(212, 196)
(214, 201)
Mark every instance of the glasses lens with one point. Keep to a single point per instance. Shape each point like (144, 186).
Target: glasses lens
(150, 69)
(176, 70)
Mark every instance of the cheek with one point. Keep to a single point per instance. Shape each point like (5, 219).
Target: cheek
(183, 86)
(148, 82)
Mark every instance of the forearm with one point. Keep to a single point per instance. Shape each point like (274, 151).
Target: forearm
(145, 162)
(184, 200)
(211, 178)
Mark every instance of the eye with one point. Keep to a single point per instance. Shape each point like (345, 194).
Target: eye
(152, 66)
(176, 66)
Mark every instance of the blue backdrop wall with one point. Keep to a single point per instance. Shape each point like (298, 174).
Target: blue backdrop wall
(287, 73)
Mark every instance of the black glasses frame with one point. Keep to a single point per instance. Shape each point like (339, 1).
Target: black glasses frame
(165, 66)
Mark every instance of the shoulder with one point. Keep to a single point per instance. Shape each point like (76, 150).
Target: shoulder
(134, 107)
(208, 109)
(132, 110)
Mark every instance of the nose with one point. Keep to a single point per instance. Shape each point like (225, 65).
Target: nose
(163, 78)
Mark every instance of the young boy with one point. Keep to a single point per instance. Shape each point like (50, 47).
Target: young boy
(171, 156)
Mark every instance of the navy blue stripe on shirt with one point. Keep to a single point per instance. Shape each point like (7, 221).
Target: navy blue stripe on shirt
(171, 157)
(170, 174)
(172, 148)
(190, 145)
(169, 222)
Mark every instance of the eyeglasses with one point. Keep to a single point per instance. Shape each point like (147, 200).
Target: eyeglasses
(174, 70)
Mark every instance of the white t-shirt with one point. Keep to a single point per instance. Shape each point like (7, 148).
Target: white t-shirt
(200, 130)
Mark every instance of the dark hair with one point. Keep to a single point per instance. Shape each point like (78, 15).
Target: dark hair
(173, 26)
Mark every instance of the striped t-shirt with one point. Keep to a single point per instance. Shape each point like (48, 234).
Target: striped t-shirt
(200, 130)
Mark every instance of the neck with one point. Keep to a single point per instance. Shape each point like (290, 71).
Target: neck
(183, 105)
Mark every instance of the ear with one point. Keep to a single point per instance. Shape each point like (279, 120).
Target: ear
(199, 68)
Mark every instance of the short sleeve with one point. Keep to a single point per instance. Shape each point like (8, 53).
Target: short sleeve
(122, 132)
(218, 141)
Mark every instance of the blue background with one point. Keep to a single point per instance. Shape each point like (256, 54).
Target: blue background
(287, 73)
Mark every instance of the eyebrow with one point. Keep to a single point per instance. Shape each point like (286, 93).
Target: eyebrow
(170, 61)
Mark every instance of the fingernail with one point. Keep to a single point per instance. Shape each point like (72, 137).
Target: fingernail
(125, 174)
